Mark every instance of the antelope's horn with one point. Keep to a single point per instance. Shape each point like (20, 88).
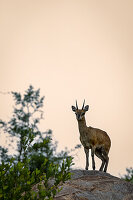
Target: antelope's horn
(76, 105)
(83, 104)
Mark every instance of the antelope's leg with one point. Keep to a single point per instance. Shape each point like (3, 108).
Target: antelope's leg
(87, 158)
(106, 164)
(93, 161)
(105, 154)
(99, 155)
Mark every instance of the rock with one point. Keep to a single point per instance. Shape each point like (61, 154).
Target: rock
(95, 185)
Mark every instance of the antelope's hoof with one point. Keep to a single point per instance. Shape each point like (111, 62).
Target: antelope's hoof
(101, 169)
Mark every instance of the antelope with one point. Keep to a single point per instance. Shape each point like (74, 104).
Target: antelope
(92, 138)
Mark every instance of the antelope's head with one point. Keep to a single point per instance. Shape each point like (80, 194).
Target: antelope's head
(80, 113)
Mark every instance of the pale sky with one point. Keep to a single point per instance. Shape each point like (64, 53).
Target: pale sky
(72, 49)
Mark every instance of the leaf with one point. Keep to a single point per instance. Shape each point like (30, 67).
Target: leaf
(28, 182)
(5, 187)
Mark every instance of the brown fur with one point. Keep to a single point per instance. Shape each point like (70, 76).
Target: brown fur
(92, 138)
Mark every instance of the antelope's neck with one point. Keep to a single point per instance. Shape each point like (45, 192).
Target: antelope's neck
(82, 125)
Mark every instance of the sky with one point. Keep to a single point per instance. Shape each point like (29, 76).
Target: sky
(72, 49)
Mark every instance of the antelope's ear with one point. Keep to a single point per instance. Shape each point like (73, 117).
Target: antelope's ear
(86, 108)
(73, 108)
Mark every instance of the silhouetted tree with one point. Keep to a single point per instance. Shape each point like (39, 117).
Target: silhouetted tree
(35, 158)
(23, 128)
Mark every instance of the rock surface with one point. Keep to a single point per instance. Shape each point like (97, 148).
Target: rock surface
(95, 185)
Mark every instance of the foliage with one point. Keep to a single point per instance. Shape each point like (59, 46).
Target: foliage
(3, 154)
(24, 123)
(129, 175)
(17, 181)
(35, 160)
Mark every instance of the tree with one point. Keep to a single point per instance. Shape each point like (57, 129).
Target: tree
(35, 159)
(129, 175)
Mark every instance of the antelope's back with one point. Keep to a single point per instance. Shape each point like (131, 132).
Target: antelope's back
(100, 138)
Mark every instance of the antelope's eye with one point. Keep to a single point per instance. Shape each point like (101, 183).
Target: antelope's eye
(83, 114)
